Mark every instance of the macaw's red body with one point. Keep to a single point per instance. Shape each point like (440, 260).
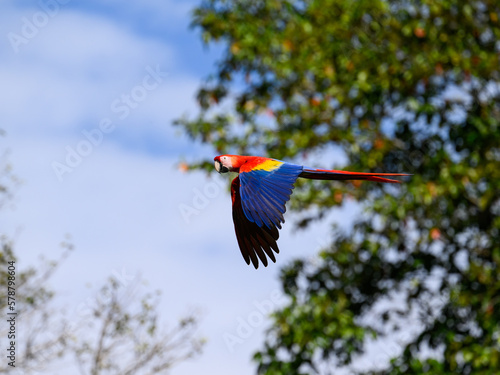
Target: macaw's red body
(259, 195)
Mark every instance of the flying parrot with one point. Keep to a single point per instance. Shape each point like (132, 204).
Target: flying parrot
(259, 194)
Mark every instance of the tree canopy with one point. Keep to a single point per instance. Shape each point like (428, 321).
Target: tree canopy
(395, 86)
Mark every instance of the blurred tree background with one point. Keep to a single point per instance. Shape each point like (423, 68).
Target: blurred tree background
(396, 86)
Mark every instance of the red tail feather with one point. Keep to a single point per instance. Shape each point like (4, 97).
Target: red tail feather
(325, 174)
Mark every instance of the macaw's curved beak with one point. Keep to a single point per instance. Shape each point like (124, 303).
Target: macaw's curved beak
(219, 167)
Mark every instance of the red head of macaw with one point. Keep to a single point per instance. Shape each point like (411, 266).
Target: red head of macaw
(259, 195)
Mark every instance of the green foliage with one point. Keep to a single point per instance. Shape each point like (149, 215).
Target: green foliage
(400, 86)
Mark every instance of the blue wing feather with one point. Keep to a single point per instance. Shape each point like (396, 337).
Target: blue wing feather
(265, 193)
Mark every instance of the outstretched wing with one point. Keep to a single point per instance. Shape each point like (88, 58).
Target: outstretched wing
(254, 241)
(266, 186)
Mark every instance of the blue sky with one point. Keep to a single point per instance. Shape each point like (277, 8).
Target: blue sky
(121, 198)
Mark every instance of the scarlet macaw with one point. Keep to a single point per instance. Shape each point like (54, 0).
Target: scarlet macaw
(259, 194)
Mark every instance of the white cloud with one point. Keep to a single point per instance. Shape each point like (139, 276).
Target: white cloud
(72, 71)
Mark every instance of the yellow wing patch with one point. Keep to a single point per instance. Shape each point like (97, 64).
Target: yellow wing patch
(268, 165)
